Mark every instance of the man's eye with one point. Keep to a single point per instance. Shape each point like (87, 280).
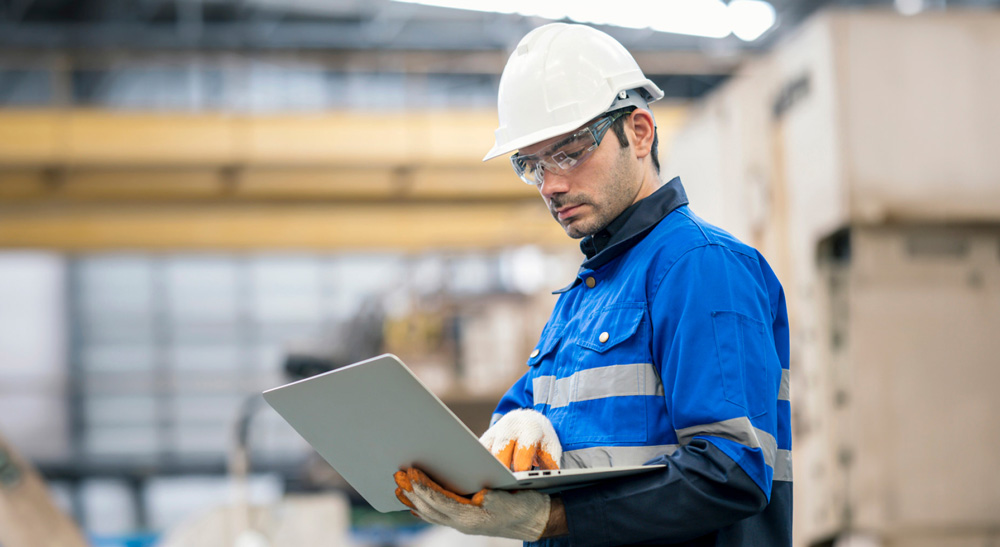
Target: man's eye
(571, 153)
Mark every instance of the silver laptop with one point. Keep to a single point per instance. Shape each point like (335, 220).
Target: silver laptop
(373, 418)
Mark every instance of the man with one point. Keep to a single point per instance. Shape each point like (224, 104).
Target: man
(670, 347)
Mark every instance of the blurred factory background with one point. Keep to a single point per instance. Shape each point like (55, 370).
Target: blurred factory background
(203, 199)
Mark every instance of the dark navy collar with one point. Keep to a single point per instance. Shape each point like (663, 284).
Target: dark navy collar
(628, 228)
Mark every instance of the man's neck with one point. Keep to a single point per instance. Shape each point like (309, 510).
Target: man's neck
(599, 240)
(650, 183)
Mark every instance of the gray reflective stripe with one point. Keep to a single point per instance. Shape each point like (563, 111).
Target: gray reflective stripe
(783, 390)
(495, 418)
(613, 456)
(739, 430)
(597, 383)
(542, 389)
(783, 466)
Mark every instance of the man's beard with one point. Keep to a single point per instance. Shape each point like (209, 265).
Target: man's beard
(621, 192)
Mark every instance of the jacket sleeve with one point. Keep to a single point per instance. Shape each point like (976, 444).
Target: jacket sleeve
(699, 491)
(710, 315)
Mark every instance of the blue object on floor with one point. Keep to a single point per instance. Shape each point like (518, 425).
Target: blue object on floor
(147, 539)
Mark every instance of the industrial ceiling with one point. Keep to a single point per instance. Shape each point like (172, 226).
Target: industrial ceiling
(207, 54)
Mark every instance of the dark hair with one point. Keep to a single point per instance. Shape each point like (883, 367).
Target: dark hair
(619, 128)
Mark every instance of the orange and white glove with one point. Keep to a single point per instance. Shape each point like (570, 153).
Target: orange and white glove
(523, 439)
(518, 515)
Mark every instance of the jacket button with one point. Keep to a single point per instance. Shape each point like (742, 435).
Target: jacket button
(534, 353)
(604, 337)
(591, 282)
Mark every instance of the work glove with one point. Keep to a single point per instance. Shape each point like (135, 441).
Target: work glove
(518, 515)
(523, 439)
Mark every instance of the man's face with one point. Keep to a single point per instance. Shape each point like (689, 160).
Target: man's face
(590, 196)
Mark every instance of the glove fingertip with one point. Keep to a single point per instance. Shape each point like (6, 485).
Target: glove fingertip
(524, 458)
(506, 454)
(544, 460)
(403, 499)
(416, 475)
(403, 480)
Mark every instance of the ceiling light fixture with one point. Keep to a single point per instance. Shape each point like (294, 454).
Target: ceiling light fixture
(747, 19)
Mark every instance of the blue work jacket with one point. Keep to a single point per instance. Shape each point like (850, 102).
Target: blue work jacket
(671, 347)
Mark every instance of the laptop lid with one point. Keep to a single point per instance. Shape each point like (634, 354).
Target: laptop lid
(373, 418)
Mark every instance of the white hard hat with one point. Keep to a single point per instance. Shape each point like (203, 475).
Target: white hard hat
(560, 77)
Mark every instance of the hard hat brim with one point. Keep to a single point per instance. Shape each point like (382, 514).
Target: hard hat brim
(535, 138)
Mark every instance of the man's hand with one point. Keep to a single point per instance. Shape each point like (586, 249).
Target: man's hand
(519, 515)
(523, 439)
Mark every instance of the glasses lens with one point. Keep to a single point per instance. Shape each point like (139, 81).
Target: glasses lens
(565, 155)
(572, 153)
(527, 168)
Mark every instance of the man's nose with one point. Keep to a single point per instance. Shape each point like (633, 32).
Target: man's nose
(553, 184)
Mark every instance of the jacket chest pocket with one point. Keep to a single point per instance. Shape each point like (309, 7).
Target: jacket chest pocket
(614, 330)
(547, 344)
(609, 395)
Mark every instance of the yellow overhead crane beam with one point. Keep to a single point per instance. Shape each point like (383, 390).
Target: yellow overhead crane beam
(93, 180)
(299, 226)
(109, 138)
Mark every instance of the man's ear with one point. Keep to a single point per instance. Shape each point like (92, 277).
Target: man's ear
(643, 130)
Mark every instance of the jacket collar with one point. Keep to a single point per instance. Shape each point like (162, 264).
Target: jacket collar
(639, 219)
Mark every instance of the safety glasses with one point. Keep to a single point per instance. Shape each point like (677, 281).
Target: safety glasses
(565, 155)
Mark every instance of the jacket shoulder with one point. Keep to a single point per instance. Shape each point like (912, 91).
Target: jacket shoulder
(682, 230)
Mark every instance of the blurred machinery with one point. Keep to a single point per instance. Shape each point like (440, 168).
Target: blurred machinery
(337, 346)
(467, 346)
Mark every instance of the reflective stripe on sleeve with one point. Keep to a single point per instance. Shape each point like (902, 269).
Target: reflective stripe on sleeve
(611, 456)
(495, 418)
(614, 456)
(597, 383)
(736, 429)
(783, 390)
(783, 466)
